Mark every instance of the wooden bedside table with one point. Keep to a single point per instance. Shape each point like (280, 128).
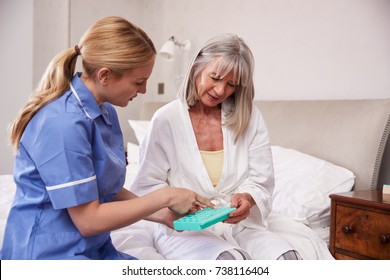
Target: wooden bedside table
(360, 225)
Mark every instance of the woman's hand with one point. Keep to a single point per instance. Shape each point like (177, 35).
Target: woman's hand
(243, 202)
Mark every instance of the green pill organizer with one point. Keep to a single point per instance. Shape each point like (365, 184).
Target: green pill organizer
(202, 219)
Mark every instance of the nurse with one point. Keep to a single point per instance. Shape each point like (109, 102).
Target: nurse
(70, 162)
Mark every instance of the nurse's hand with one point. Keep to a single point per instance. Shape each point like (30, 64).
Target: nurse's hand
(243, 202)
(167, 217)
(183, 201)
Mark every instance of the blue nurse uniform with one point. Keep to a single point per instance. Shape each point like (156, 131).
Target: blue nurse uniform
(71, 153)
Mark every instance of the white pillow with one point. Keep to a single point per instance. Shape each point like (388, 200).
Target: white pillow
(303, 184)
(139, 127)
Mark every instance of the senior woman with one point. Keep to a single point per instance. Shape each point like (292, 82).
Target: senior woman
(213, 141)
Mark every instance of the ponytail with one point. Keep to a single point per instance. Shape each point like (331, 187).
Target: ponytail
(111, 42)
(54, 82)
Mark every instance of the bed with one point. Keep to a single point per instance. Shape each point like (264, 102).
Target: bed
(319, 147)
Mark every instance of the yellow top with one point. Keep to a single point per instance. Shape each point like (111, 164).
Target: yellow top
(213, 161)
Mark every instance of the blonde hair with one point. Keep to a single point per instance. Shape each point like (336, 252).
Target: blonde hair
(233, 54)
(112, 42)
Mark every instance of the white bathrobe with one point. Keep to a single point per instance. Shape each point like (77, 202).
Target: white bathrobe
(170, 157)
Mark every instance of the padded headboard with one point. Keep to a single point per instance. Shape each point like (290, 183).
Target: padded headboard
(350, 133)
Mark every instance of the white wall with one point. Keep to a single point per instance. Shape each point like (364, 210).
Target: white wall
(16, 48)
(83, 13)
(304, 49)
(51, 33)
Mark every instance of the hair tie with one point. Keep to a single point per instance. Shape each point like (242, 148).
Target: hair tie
(77, 49)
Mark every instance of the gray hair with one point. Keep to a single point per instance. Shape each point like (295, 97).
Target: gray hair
(233, 54)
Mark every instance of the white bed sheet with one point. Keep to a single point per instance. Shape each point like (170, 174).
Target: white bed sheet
(301, 212)
(137, 239)
(305, 227)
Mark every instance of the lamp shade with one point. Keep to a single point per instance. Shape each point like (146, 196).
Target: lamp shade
(167, 51)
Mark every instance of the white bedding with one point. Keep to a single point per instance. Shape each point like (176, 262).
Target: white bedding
(301, 204)
(137, 239)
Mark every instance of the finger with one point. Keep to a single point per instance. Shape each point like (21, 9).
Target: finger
(205, 201)
(242, 208)
(240, 213)
(178, 211)
(195, 208)
(232, 221)
(198, 206)
(235, 213)
(174, 215)
(237, 219)
(234, 201)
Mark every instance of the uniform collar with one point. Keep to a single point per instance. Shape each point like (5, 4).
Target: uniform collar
(88, 101)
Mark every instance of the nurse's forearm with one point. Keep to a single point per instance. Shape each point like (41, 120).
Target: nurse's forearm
(124, 194)
(163, 216)
(93, 218)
